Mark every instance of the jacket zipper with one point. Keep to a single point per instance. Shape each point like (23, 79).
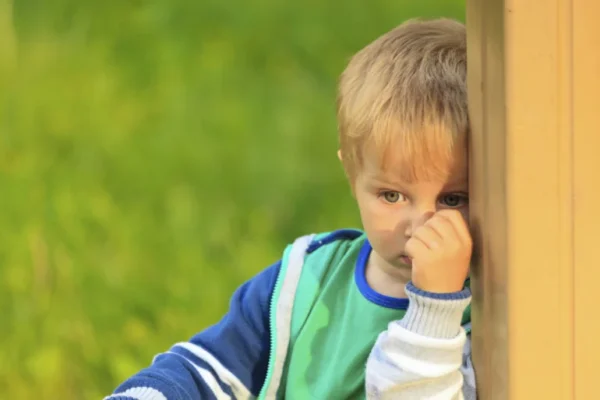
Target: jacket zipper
(272, 327)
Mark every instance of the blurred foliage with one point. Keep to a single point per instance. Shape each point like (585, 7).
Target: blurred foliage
(154, 154)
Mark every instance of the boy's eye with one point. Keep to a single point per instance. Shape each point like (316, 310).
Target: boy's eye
(392, 197)
(454, 200)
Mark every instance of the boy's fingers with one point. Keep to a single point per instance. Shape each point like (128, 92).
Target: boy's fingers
(424, 218)
(429, 237)
(414, 247)
(442, 226)
(458, 223)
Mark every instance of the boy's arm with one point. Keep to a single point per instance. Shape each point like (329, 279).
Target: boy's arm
(425, 355)
(226, 361)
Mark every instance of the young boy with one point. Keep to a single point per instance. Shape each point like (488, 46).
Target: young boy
(353, 315)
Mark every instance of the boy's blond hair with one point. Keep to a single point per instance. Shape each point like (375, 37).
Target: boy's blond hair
(406, 91)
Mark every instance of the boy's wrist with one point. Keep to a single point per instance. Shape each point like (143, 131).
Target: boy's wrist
(433, 314)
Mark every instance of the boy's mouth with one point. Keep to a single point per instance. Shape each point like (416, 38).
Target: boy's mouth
(406, 259)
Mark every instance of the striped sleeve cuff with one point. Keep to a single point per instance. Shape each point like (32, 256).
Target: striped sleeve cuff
(138, 393)
(435, 315)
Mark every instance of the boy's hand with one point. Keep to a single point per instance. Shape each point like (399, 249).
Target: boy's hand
(441, 253)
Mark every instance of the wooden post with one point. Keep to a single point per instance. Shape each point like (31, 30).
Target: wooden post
(534, 81)
(586, 194)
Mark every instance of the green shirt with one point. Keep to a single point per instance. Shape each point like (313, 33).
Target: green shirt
(342, 319)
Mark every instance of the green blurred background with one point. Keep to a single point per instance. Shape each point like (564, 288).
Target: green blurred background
(153, 156)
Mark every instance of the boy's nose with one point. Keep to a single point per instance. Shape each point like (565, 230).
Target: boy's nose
(419, 219)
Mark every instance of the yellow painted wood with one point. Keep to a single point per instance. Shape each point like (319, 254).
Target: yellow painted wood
(586, 195)
(534, 81)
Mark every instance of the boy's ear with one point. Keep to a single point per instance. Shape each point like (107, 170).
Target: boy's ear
(339, 154)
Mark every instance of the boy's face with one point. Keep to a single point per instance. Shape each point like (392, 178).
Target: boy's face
(391, 208)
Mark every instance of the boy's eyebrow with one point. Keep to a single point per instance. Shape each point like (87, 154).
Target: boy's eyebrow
(385, 181)
(457, 187)
(454, 191)
(454, 187)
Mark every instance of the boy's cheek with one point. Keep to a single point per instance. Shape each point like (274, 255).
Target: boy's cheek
(381, 223)
(387, 235)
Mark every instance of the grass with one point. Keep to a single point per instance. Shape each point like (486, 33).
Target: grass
(153, 156)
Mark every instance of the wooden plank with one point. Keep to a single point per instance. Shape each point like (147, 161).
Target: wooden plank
(520, 95)
(586, 199)
(487, 195)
